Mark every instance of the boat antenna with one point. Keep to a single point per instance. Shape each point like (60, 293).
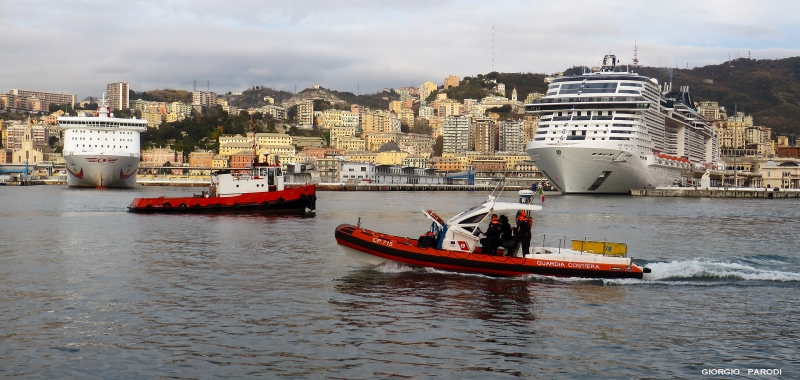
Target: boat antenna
(255, 150)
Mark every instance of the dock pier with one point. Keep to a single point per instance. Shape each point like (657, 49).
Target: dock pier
(717, 192)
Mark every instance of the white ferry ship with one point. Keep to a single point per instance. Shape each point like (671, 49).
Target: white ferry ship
(101, 150)
(609, 132)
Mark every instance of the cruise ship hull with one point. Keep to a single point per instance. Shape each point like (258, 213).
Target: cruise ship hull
(585, 170)
(101, 170)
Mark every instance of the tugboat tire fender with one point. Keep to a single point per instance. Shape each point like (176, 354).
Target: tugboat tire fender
(236, 205)
(265, 204)
(281, 201)
(182, 206)
(167, 205)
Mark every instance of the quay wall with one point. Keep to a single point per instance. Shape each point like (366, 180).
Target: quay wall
(717, 193)
(184, 182)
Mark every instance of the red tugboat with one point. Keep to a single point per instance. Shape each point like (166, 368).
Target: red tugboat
(260, 190)
(257, 189)
(454, 246)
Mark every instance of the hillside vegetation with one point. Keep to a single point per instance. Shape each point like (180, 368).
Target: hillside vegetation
(767, 89)
(166, 95)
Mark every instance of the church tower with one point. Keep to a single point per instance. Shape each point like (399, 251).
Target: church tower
(514, 95)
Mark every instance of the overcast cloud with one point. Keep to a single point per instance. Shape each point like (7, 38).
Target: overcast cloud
(80, 46)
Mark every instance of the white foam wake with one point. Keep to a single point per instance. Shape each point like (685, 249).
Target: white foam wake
(395, 267)
(701, 268)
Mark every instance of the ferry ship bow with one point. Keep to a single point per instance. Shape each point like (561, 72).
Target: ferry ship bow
(101, 150)
(612, 131)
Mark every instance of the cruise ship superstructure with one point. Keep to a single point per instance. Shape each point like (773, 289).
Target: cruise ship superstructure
(610, 132)
(101, 150)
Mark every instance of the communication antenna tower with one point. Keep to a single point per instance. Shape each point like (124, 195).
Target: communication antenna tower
(208, 83)
(635, 54)
(492, 46)
(194, 88)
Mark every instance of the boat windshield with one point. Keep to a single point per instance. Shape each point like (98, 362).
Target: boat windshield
(471, 209)
(475, 219)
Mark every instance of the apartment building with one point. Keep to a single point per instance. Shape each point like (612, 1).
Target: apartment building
(451, 81)
(340, 133)
(450, 108)
(416, 143)
(511, 136)
(305, 113)
(379, 121)
(484, 135)
(180, 108)
(406, 117)
(395, 106)
(457, 134)
(204, 98)
(201, 159)
(46, 98)
(161, 156)
(426, 112)
(352, 144)
(426, 89)
(375, 140)
(711, 111)
(118, 95)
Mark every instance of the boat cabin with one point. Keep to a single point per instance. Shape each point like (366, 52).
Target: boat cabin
(261, 178)
(460, 232)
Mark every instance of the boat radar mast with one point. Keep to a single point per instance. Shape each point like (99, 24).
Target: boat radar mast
(609, 63)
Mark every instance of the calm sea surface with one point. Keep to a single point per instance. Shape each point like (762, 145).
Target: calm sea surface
(89, 290)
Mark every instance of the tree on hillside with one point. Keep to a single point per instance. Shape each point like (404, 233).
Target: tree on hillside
(438, 146)
(421, 126)
(322, 105)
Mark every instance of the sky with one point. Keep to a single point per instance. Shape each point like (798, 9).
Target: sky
(79, 46)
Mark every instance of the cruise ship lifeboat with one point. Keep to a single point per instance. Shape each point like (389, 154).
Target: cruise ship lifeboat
(454, 246)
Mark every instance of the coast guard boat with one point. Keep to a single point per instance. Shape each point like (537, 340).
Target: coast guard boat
(453, 245)
(101, 150)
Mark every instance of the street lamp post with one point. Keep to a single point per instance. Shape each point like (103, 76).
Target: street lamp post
(735, 178)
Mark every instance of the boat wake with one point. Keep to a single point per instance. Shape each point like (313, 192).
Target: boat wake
(697, 272)
(712, 270)
(395, 267)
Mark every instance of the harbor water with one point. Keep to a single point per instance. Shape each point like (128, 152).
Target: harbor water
(92, 291)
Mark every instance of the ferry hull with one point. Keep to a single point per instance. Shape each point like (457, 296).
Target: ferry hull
(373, 248)
(101, 171)
(590, 170)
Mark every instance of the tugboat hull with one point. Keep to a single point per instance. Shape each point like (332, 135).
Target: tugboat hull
(287, 201)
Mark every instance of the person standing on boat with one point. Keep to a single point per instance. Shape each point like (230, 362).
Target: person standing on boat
(506, 236)
(492, 240)
(523, 231)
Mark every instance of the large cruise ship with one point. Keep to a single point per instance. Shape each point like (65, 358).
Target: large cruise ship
(610, 132)
(101, 150)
